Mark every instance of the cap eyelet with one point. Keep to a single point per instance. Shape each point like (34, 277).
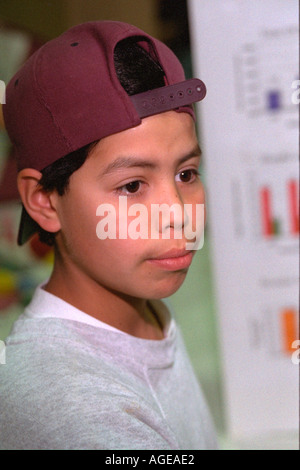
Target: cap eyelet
(74, 44)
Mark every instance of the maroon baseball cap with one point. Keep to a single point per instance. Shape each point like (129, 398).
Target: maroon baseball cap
(68, 95)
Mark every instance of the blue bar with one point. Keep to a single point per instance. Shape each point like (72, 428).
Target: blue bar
(273, 100)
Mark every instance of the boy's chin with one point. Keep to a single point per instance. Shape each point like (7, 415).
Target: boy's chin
(169, 288)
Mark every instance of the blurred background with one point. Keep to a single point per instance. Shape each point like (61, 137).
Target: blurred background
(238, 308)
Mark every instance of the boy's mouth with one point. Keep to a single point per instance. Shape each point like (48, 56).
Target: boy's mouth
(173, 260)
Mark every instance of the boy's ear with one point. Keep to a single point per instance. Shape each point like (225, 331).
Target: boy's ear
(38, 203)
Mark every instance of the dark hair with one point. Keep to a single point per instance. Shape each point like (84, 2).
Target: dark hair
(137, 71)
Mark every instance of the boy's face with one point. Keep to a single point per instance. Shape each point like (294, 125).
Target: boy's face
(154, 163)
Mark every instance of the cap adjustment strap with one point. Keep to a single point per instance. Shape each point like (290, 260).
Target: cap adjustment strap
(169, 97)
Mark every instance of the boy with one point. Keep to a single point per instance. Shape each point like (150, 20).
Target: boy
(100, 115)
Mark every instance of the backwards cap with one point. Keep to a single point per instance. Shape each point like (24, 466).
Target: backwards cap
(68, 95)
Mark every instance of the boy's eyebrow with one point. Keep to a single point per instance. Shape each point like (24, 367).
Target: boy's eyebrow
(132, 162)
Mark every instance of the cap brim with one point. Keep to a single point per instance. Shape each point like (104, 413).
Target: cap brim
(28, 227)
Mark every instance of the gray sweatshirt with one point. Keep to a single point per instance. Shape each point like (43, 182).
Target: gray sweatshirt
(72, 383)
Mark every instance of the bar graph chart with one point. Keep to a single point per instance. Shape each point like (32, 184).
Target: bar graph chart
(274, 331)
(279, 212)
(251, 63)
(263, 73)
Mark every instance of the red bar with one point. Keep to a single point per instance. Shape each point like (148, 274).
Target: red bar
(293, 206)
(265, 200)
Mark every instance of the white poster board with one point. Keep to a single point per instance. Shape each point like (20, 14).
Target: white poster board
(246, 52)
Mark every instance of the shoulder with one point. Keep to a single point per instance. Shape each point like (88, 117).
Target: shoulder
(58, 392)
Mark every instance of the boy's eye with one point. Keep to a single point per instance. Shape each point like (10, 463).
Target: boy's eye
(186, 176)
(132, 187)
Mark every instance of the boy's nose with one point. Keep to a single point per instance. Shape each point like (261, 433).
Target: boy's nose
(169, 217)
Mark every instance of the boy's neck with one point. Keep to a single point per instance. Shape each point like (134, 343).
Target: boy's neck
(130, 315)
